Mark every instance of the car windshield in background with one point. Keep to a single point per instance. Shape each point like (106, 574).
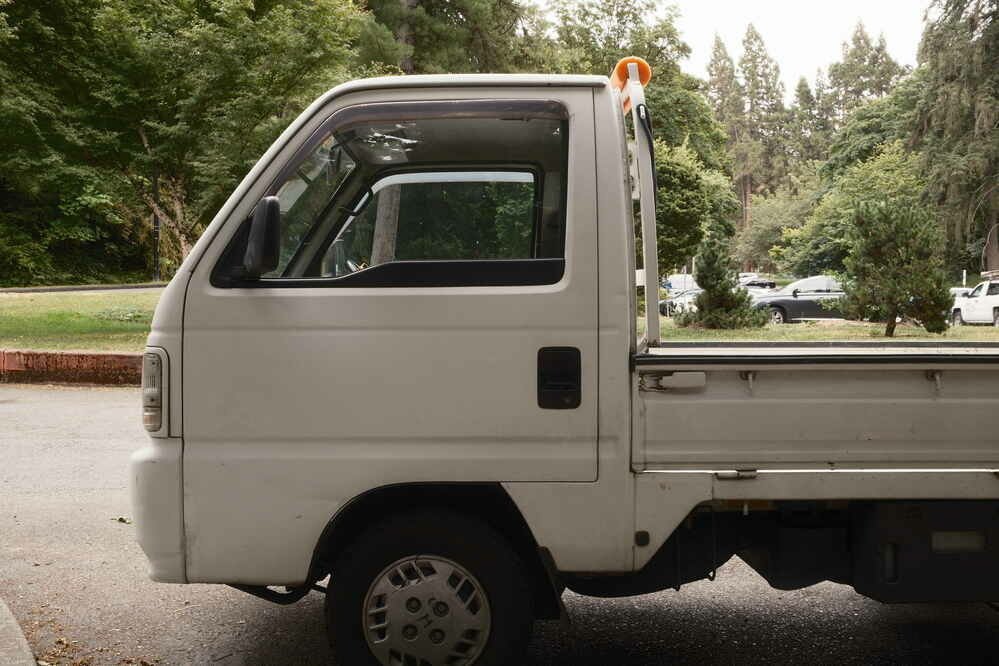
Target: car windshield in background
(820, 283)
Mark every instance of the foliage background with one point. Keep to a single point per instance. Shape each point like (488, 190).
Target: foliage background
(115, 109)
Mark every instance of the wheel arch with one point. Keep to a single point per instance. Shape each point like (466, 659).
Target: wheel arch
(488, 502)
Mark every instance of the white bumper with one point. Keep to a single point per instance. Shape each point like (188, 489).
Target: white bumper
(155, 484)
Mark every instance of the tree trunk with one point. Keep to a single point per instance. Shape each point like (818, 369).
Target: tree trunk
(405, 35)
(386, 225)
(890, 324)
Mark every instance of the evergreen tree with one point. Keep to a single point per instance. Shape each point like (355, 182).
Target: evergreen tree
(723, 303)
(957, 123)
(895, 266)
(724, 92)
(434, 36)
(867, 71)
(761, 161)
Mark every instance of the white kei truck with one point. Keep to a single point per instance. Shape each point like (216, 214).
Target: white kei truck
(405, 356)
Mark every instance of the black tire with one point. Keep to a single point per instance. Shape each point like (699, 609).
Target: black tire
(465, 541)
(663, 310)
(778, 316)
(995, 317)
(956, 319)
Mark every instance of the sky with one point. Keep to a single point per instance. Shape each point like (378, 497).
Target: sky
(801, 35)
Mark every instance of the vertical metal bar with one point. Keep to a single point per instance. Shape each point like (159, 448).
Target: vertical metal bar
(156, 229)
(647, 207)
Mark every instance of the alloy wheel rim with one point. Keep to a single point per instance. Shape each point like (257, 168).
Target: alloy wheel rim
(425, 610)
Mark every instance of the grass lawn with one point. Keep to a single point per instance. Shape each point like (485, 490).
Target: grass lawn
(119, 321)
(824, 331)
(92, 321)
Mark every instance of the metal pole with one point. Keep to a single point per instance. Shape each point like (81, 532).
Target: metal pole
(156, 229)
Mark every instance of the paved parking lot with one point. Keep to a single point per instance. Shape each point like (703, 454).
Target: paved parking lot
(73, 576)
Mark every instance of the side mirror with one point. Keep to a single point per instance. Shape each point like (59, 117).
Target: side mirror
(794, 293)
(263, 246)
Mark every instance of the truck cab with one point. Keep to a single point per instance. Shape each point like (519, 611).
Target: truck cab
(980, 305)
(405, 359)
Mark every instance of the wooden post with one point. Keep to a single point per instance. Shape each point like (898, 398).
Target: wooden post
(386, 225)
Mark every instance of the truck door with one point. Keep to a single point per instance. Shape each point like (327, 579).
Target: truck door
(973, 304)
(431, 316)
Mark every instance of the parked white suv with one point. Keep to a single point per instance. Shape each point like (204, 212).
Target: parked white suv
(978, 306)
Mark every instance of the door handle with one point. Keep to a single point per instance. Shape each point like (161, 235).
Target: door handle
(559, 378)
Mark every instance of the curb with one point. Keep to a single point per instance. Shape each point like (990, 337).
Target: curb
(82, 287)
(14, 649)
(41, 367)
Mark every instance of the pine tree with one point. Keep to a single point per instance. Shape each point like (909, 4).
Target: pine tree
(724, 91)
(435, 37)
(957, 126)
(760, 152)
(895, 266)
(866, 72)
(723, 303)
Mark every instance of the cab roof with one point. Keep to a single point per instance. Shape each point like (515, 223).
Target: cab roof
(472, 80)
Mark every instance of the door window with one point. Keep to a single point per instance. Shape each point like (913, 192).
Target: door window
(463, 193)
(994, 289)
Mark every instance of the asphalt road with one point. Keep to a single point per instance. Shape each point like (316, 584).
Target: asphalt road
(75, 580)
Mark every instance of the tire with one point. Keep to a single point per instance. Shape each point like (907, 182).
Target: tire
(664, 310)
(995, 317)
(956, 319)
(407, 564)
(778, 316)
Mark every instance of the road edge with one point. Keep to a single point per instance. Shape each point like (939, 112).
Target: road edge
(14, 648)
(18, 366)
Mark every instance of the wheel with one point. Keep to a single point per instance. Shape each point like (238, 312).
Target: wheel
(664, 310)
(429, 588)
(956, 319)
(995, 317)
(777, 316)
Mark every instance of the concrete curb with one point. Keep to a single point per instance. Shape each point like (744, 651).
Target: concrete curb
(14, 649)
(43, 367)
(82, 287)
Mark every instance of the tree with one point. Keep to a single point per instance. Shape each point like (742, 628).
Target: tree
(722, 304)
(822, 244)
(895, 266)
(683, 202)
(724, 92)
(866, 72)
(121, 107)
(433, 36)
(874, 124)
(598, 33)
(957, 120)
(758, 153)
(785, 210)
(57, 212)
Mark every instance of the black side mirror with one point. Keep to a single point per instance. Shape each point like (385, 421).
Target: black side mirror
(263, 246)
(794, 293)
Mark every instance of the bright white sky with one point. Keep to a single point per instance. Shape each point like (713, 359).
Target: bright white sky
(801, 35)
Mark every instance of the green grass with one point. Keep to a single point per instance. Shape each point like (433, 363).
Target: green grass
(826, 331)
(119, 321)
(91, 321)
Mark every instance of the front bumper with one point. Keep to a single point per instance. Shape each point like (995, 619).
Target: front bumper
(156, 488)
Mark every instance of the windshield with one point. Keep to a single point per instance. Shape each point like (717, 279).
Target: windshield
(820, 283)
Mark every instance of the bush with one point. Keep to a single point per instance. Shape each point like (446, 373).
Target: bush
(723, 303)
(895, 266)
